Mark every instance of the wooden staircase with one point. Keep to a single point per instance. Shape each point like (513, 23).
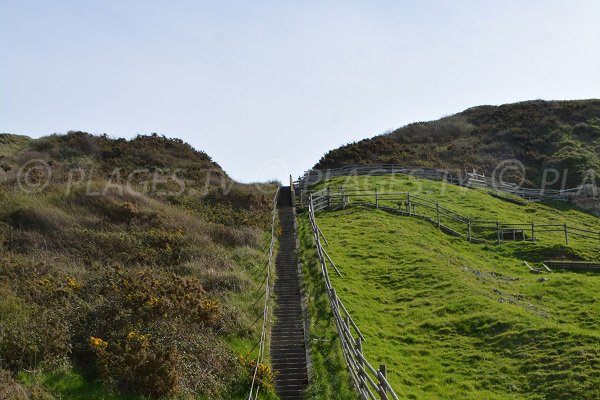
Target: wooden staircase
(288, 351)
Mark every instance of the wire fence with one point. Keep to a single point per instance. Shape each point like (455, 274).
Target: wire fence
(451, 222)
(369, 382)
(255, 386)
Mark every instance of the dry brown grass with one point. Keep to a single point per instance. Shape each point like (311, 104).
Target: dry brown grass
(11, 389)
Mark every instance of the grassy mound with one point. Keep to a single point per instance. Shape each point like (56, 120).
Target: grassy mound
(453, 319)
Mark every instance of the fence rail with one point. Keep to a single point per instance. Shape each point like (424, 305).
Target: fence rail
(452, 222)
(311, 177)
(255, 386)
(369, 382)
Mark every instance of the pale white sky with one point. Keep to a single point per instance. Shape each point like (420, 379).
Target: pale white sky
(265, 87)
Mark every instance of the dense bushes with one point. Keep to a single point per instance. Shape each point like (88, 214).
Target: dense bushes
(146, 296)
(155, 373)
(481, 137)
(29, 335)
(158, 324)
(137, 323)
(144, 292)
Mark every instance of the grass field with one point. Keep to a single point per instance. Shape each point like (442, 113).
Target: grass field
(452, 319)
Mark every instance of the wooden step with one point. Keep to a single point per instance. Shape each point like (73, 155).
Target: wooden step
(288, 351)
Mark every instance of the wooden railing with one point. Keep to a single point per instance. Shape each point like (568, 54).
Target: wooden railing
(314, 176)
(452, 222)
(369, 382)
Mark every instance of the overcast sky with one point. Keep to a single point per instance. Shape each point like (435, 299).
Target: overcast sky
(266, 88)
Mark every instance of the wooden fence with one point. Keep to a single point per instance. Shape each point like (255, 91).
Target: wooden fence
(474, 230)
(314, 176)
(370, 383)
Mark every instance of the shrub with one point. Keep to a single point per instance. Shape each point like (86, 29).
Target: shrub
(264, 375)
(137, 364)
(205, 365)
(28, 335)
(125, 245)
(129, 299)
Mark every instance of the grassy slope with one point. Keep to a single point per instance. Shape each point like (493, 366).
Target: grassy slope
(329, 378)
(458, 320)
(10, 144)
(215, 238)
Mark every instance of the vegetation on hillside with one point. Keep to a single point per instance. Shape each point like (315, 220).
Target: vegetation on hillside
(128, 268)
(564, 135)
(453, 319)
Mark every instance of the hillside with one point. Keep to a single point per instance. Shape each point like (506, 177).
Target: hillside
(126, 255)
(450, 318)
(541, 134)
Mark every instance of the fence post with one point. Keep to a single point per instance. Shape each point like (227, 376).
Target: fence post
(532, 232)
(469, 229)
(346, 327)
(361, 364)
(293, 191)
(334, 302)
(437, 210)
(408, 204)
(376, 198)
(343, 198)
(382, 377)
(498, 231)
(566, 235)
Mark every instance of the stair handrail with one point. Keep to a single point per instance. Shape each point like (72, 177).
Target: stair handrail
(263, 335)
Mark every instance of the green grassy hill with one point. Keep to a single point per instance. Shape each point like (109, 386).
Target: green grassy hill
(453, 319)
(540, 134)
(119, 256)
